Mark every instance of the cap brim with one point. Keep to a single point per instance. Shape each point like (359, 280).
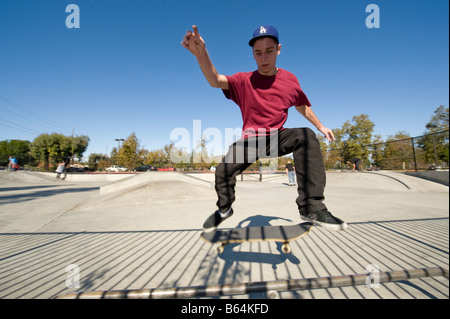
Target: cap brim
(252, 41)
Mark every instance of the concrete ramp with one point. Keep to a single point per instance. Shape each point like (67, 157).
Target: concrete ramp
(139, 180)
(366, 180)
(26, 177)
(151, 188)
(383, 180)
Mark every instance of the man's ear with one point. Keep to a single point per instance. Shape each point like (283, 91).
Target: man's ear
(278, 49)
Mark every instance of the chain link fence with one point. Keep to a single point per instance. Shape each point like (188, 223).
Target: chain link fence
(426, 152)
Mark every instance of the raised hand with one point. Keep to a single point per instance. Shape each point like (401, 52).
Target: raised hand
(194, 42)
(327, 133)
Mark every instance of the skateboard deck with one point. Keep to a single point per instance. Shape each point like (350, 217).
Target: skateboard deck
(283, 234)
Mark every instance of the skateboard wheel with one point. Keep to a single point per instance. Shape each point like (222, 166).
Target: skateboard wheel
(273, 294)
(285, 248)
(220, 249)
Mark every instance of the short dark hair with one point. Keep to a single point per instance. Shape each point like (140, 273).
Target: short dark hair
(252, 42)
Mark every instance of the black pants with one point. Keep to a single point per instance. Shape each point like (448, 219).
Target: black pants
(358, 165)
(310, 171)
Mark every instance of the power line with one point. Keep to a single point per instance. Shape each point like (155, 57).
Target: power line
(44, 122)
(21, 128)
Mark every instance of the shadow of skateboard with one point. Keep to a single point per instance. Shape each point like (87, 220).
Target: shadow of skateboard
(284, 234)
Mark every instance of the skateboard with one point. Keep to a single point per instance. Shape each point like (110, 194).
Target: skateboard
(284, 234)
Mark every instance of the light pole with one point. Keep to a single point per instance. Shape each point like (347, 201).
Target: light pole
(118, 151)
(431, 127)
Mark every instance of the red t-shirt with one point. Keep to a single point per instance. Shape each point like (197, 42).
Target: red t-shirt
(264, 100)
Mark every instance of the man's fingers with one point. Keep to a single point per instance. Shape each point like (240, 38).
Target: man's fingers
(186, 40)
(194, 27)
(192, 39)
(330, 136)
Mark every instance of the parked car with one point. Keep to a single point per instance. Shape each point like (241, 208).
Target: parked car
(73, 169)
(145, 168)
(116, 168)
(167, 169)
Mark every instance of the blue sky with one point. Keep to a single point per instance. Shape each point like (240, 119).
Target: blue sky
(125, 71)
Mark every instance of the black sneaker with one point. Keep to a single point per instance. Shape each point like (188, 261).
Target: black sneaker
(215, 220)
(324, 219)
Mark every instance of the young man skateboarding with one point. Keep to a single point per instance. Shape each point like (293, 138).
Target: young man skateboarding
(264, 97)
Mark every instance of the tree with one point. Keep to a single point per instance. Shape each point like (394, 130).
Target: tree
(130, 154)
(376, 149)
(439, 121)
(57, 147)
(331, 152)
(396, 152)
(156, 158)
(352, 140)
(42, 148)
(76, 146)
(358, 134)
(96, 160)
(167, 151)
(435, 143)
(17, 148)
(200, 158)
(4, 152)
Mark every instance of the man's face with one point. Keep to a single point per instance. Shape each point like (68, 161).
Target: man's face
(265, 52)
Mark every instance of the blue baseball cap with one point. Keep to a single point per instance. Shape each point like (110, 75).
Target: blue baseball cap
(263, 32)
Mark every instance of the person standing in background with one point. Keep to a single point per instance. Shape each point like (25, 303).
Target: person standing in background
(290, 172)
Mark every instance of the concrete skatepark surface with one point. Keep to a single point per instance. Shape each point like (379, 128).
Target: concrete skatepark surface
(137, 231)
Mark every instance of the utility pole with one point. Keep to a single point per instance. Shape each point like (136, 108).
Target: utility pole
(73, 147)
(118, 151)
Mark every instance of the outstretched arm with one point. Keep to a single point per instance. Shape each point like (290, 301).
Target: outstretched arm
(308, 113)
(196, 45)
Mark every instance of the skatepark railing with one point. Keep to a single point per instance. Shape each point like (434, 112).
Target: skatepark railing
(269, 287)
